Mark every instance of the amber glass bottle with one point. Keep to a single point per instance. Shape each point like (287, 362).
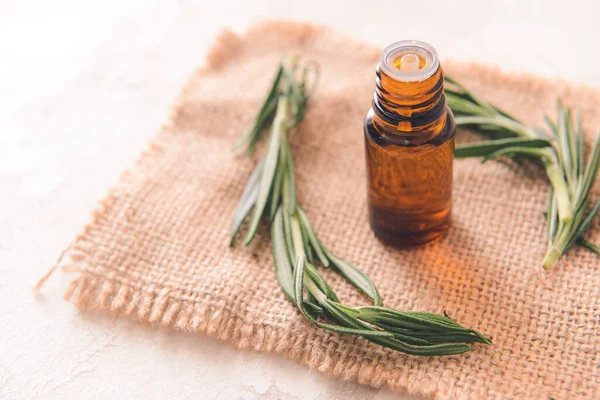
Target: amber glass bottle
(409, 142)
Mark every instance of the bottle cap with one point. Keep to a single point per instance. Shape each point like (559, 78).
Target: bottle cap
(409, 61)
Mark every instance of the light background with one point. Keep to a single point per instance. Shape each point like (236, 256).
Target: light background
(84, 85)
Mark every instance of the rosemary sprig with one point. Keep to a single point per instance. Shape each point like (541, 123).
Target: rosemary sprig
(270, 194)
(560, 153)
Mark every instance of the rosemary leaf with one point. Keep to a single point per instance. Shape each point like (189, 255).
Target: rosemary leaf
(320, 282)
(307, 247)
(521, 151)
(265, 114)
(511, 127)
(287, 229)
(247, 201)
(435, 337)
(582, 228)
(356, 276)
(563, 143)
(283, 266)
(572, 141)
(268, 170)
(586, 243)
(297, 236)
(580, 147)
(590, 175)
(312, 237)
(411, 340)
(276, 192)
(485, 148)
(404, 320)
(313, 309)
(436, 317)
(291, 176)
(552, 216)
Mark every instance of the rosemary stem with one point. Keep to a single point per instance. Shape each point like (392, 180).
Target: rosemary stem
(557, 180)
(559, 149)
(551, 256)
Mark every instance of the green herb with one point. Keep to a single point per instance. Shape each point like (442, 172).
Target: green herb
(560, 152)
(270, 194)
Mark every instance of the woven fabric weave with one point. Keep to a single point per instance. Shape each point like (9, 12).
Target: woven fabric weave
(156, 248)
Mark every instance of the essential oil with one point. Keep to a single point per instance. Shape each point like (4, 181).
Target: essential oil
(409, 142)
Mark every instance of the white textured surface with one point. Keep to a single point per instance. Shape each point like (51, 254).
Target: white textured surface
(84, 85)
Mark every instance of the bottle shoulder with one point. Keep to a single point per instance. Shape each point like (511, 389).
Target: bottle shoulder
(379, 134)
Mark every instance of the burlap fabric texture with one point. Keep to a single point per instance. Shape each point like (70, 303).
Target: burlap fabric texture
(156, 248)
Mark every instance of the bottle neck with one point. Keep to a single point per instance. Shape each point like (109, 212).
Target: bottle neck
(414, 111)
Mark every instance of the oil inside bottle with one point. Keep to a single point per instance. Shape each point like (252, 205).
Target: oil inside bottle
(409, 143)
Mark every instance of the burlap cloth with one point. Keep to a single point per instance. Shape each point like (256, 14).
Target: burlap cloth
(156, 249)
